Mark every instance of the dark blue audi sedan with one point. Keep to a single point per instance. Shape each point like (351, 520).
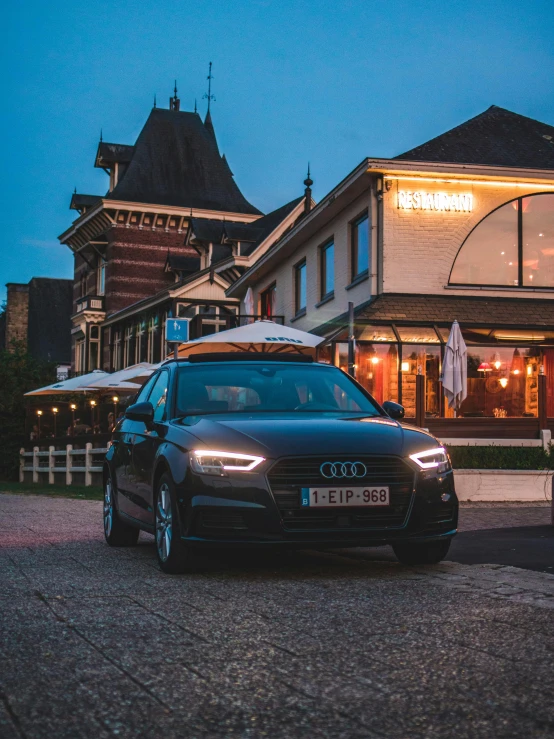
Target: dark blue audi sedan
(257, 450)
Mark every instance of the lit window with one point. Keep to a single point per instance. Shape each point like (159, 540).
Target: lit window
(512, 246)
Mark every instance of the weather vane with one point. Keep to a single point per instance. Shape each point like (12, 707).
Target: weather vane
(209, 97)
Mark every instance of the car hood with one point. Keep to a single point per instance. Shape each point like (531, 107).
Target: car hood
(280, 435)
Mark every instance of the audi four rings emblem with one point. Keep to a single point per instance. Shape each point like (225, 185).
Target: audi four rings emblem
(343, 469)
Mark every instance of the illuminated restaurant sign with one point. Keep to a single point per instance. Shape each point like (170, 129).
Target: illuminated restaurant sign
(436, 201)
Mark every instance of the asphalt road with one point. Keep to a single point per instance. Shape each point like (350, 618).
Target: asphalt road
(96, 642)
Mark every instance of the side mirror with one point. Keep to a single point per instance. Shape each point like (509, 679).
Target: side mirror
(141, 412)
(394, 410)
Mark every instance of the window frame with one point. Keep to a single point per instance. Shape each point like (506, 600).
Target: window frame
(101, 276)
(496, 286)
(300, 310)
(263, 299)
(354, 274)
(323, 249)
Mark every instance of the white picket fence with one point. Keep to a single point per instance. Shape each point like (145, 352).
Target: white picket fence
(89, 453)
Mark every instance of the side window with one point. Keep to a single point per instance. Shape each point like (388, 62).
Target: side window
(158, 395)
(145, 391)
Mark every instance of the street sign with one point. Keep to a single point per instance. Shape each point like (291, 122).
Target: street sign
(177, 330)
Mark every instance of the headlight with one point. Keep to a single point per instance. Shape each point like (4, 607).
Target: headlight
(432, 459)
(216, 463)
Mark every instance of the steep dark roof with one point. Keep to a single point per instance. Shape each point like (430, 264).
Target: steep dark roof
(183, 263)
(78, 201)
(209, 125)
(108, 154)
(467, 310)
(269, 223)
(176, 162)
(249, 234)
(495, 137)
(49, 328)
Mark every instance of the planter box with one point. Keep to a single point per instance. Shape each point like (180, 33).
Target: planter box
(503, 485)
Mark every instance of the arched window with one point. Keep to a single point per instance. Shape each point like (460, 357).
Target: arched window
(512, 246)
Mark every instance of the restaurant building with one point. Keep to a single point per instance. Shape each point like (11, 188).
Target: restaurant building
(168, 238)
(459, 228)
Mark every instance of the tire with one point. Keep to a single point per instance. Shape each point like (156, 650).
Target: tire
(425, 553)
(117, 533)
(173, 555)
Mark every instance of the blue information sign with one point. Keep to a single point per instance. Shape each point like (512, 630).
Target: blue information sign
(177, 330)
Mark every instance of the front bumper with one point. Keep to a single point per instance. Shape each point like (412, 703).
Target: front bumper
(245, 511)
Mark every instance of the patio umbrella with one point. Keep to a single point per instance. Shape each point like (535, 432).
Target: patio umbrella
(454, 372)
(261, 336)
(133, 376)
(73, 385)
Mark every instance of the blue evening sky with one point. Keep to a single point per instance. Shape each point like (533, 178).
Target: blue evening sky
(328, 82)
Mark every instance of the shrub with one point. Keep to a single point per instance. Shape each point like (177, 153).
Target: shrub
(19, 373)
(501, 458)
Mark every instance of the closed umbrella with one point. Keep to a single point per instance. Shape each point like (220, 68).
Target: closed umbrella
(454, 372)
(261, 336)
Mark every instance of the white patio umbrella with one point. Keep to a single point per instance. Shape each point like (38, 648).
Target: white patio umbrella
(454, 372)
(133, 376)
(73, 385)
(261, 336)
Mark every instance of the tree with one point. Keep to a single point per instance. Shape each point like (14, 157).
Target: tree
(19, 373)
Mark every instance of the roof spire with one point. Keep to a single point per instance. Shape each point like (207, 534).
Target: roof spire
(209, 95)
(195, 108)
(154, 100)
(308, 192)
(101, 136)
(174, 102)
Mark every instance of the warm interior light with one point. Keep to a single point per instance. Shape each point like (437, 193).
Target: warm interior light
(523, 336)
(54, 410)
(516, 372)
(73, 407)
(497, 364)
(529, 369)
(461, 181)
(484, 367)
(39, 413)
(375, 360)
(405, 366)
(93, 403)
(503, 381)
(115, 399)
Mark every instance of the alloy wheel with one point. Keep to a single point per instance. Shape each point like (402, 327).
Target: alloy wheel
(163, 522)
(108, 507)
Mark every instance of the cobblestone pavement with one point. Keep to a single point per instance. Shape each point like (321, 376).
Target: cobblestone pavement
(96, 642)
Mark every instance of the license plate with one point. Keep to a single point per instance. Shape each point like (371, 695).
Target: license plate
(345, 496)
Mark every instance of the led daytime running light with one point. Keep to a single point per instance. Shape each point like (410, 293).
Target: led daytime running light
(254, 461)
(417, 458)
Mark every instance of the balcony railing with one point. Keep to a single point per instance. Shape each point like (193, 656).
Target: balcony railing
(94, 303)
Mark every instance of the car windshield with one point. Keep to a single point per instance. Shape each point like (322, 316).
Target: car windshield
(268, 387)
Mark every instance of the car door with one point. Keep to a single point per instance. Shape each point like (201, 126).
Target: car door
(123, 458)
(145, 447)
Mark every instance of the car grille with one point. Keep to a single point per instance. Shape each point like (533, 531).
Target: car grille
(288, 476)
